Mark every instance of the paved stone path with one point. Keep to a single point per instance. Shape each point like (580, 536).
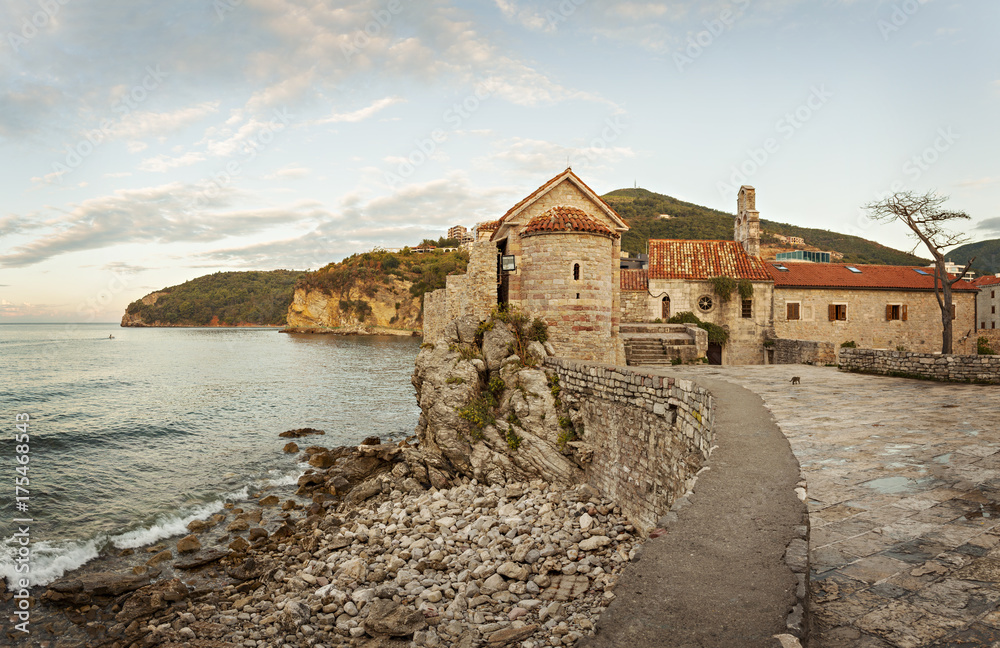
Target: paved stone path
(904, 503)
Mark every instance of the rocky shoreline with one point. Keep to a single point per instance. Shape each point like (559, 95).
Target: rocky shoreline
(374, 549)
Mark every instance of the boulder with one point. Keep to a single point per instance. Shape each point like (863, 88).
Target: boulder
(387, 617)
(301, 432)
(497, 345)
(188, 544)
(291, 447)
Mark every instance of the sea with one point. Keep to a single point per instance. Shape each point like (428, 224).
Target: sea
(134, 432)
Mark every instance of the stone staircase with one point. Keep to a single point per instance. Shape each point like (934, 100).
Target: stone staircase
(657, 344)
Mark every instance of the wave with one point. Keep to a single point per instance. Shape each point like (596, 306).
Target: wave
(50, 561)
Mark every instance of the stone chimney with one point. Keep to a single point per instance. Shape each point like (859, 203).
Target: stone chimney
(746, 228)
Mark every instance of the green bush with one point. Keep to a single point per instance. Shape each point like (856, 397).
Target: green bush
(716, 334)
(983, 346)
(850, 344)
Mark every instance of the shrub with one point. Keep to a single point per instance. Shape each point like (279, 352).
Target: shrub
(850, 344)
(455, 380)
(723, 287)
(983, 346)
(745, 289)
(716, 334)
(513, 439)
(479, 412)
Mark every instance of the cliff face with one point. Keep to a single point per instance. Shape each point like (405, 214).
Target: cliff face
(377, 309)
(135, 318)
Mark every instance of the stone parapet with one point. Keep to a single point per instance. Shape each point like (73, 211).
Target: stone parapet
(804, 352)
(932, 366)
(650, 434)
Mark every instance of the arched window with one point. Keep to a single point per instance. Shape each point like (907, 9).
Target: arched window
(665, 314)
(576, 272)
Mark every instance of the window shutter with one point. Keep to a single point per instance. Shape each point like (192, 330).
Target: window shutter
(903, 312)
(832, 311)
(888, 312)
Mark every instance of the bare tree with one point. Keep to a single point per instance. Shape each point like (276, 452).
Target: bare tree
(927, 222)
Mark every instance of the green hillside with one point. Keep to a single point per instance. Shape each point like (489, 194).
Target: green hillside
(255, 298)
(641, 209)
(987, 255)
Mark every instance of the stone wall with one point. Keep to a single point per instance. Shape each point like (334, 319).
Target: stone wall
(866, 322)
(649, 434)
(951, 367)
(634, 306)
(473, 293)
(804, 352)
(993, 335)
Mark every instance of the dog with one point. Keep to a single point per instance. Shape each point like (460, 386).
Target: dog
(795, 380)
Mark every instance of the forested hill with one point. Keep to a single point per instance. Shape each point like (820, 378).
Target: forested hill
(987, 255)
(225, 298)
(643, 210)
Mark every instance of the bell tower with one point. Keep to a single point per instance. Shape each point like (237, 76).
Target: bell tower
(746, 228)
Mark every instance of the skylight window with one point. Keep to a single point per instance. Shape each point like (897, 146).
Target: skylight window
(780, 267)
(853, 269)
(922, 272)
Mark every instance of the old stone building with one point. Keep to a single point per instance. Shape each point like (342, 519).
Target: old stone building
(988, 309)
(874, 306)
(680, 278)
(555, 255)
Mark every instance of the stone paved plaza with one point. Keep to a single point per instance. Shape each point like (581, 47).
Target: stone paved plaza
(904, 499)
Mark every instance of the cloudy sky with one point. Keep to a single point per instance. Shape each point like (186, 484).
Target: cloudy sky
(146, 143)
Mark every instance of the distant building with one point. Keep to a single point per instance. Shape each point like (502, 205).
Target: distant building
(796, 240)
(457, 232)
(804, 255)
(952, 268)
(988, 303)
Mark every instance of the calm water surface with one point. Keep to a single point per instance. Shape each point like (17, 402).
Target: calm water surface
(133, 437)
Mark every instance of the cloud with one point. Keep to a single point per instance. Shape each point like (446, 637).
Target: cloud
(139, 124)
(360, 114)
(289, 172)
(541, 158)
(162, 163)
(163, 214)
(981, 182)
(526, 17)
(990, 225)
(119, 174)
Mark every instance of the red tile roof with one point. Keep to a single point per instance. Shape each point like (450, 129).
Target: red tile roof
(872, 277)
(987, 280)
(488, 226)
(683, 259)
(563, 218)
(635, 280)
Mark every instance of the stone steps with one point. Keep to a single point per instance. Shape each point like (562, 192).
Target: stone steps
(657, 344)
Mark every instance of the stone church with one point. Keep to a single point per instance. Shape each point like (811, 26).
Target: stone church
(556, 255)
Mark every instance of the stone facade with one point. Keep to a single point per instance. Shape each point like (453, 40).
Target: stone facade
(567, 279)
(988, 305)
(866, 322)
(746, 334)
(802, 352)
(935, 366)
(649, 434)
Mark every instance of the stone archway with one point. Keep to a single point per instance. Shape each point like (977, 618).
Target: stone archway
(665, 308)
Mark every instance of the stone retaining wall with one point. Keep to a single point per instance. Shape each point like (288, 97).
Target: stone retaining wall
(649, 434)
(951, 367)
(804, 351)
